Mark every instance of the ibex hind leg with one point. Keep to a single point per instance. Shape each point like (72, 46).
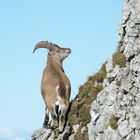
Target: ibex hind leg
(62, 118)
(54, 121)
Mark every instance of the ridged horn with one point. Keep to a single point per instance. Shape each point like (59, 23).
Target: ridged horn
(43, 44)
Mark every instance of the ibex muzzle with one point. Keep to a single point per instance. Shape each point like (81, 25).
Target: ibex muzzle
(55, 85)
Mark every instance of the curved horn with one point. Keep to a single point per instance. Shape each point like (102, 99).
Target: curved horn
(43, 44)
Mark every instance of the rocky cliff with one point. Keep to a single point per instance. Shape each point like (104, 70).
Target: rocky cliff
(107, 106)
(116, 110)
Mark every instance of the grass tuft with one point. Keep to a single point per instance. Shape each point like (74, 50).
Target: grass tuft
(114, 122)
(119, 59)
(80, 106)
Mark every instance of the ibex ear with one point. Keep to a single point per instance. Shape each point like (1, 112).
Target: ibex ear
(43, 44)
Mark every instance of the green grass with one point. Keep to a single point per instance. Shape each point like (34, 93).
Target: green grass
(119, 59)
(73, 114)
(81, 136)
(99, 76)
(80, 106)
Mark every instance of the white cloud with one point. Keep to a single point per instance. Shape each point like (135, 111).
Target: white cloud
(8, 134)
(17, 138)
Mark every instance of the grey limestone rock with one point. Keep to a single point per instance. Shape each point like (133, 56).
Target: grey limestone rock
(41, 134)
(48, 134)
(115, 112)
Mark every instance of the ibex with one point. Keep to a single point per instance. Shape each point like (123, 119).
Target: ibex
(55, 85)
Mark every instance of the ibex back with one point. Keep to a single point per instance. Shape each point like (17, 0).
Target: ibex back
(55, 85)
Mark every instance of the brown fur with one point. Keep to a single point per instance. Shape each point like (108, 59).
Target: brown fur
(55, 85)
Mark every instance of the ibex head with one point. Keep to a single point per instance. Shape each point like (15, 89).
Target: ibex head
(56, 51)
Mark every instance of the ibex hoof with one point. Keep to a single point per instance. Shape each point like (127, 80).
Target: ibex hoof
(46, 126)
(54, 125)
(56, 132)
(61, 128)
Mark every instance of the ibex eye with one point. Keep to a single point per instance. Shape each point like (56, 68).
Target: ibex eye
(58, 51)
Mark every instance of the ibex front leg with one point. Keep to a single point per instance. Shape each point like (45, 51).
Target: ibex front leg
(46, 119)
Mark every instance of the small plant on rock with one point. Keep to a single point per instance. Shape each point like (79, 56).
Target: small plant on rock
(114, 122)
(119, 59)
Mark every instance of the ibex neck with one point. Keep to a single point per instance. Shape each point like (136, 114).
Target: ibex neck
(53, 61)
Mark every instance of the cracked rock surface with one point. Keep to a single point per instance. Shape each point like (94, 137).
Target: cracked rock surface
(116, 111)
(48, 134)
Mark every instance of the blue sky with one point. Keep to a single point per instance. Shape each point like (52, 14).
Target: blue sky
(88, 27)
